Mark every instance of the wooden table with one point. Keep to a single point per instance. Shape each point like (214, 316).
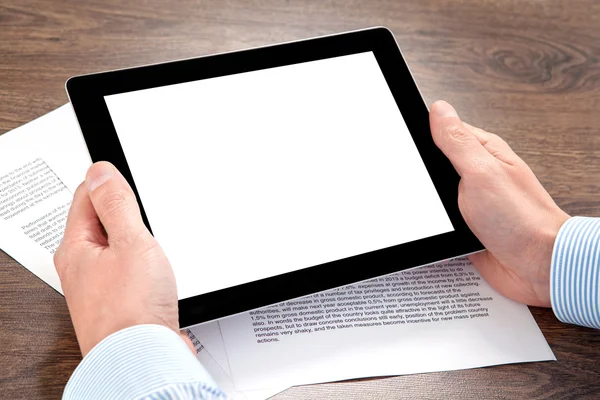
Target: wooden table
(527, 70)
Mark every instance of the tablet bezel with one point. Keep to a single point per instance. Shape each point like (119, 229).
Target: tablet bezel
(87, 94)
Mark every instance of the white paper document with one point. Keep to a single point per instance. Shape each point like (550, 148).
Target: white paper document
(56, 138)
(33, 211)
(219, 374)
(42, 164)
(436, 318)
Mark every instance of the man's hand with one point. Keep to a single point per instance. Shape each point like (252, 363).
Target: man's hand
(113, 273)
(504, 205)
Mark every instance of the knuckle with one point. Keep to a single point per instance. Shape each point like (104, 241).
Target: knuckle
(481, 168)
(495, 137)
(457, 132)
(114, 202)
(81, 188)
(498, 140)
(124, 239)
(60, 261)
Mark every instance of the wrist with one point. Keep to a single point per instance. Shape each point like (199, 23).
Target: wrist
(90, 332)
(542, 257)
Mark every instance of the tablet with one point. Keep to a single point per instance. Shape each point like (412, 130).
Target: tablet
(276, 172)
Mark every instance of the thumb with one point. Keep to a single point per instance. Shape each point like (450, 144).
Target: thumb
(456, 141)
(114, 203)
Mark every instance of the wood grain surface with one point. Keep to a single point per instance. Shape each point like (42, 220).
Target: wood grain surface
(528, 70)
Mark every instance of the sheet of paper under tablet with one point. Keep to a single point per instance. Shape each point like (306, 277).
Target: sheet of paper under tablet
(436, 318)
(220, 375)
(56, 138)
(43, 162)
(33, 210)
(210, 336)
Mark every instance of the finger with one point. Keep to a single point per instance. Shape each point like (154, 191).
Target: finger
(114, 203)
(478, 132)
(457, 142)
(83, 224)
(82, 228)
(495, 145)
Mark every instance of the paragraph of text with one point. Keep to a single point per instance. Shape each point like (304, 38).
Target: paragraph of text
(447, 292)
(27, 186)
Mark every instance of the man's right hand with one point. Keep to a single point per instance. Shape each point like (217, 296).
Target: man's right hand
(505, 206)
(113, 272)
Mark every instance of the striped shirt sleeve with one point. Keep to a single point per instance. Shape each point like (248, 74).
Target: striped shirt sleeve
(141, 362)
(575, 272)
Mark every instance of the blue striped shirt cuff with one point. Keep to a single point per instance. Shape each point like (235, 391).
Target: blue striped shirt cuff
(575, 272)
(143, 361)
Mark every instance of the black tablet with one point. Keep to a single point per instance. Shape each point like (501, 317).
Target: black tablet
(272, 173)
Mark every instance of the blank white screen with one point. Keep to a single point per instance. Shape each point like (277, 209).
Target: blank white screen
(257, 174)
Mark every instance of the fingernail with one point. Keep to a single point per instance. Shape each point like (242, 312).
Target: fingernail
(443, 109)
(98, 174)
